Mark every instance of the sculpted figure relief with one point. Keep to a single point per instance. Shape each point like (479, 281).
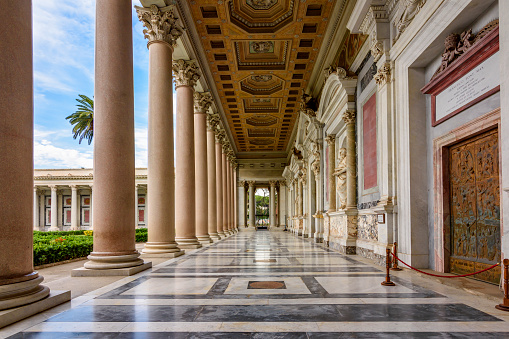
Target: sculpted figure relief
(340, 173)
(412, 7)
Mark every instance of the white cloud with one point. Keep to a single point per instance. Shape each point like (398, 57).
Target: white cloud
(46, 155)
(141, 143)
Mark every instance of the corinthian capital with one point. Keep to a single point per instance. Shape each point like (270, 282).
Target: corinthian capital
(330, 139)
(202, 102)
(251, 183)
(160, 25)
(186, 73)
(220, 134)
(349, 116)
(273, 183)
(212, 121)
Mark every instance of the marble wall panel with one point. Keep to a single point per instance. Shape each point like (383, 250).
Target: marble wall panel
(367, 228)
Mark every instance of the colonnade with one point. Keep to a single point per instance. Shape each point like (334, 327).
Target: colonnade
(173, 222)
(248, 202)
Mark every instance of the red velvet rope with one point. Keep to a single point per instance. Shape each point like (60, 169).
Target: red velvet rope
(445, 276)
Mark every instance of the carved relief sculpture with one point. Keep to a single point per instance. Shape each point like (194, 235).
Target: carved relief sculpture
(411, 8)
(202, 101)
(340, 173)
(308, 105)
(383, 75)
(159, 26)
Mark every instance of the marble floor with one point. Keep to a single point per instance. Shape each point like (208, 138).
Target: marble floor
(272, 285)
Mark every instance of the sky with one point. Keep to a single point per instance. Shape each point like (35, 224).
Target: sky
(63, 42)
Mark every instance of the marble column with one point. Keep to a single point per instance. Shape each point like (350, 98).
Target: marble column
(202, 103)
(113, 213)
(186, 75)
(162, 34)
(272, 203)
(252, 203)
(226, 194)
(219, 184)
(351, 165)
(211, 177)
(54, 209)
(19, 284)
(246, 196)
(318, 236)
(91, 212)
(74, 208)
(504, 120)
(235, 197)
(136, 207)
(37, 225)
(241, 203)
(331, 144)
(232, 200)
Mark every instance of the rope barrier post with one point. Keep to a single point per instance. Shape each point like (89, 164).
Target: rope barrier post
(505, 305)
(387, 281)
(395, 262)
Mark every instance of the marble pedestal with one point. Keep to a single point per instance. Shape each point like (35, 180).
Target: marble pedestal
(128, 271)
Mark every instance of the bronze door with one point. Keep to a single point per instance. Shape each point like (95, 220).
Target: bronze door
(475, 206)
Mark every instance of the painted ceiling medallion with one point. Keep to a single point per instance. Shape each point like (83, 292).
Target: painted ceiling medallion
(261, 47)
(261, 78)
(261, 4)
(261, 141)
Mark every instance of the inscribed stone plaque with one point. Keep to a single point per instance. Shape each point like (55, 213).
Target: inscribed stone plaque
(479, 81)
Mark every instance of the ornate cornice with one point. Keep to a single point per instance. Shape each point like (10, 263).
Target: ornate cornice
(202, 102)
(383, 75)
(160, 24)
(349, 116)
(185, 73)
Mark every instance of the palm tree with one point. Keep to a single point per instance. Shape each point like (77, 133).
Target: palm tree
(83, 119)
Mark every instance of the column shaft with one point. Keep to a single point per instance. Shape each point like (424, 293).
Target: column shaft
(272, 205)
(18, 281)
(212, 181)
(235, 199)
(36, 210)
(136, 208)
(331, 142)
(224, 160)
(54, 209)
(201, 173)
(252, 204)
(113, 215)
(351, 167)
(74, 208)
(219, 190)
(185, 219)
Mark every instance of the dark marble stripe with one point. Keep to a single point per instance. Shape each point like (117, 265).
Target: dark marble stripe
(275, 313)
(263, 269)
(263, 335)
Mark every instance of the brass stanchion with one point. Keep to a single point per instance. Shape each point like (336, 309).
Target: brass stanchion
(395, 262)
(387, 281)
(505, 305)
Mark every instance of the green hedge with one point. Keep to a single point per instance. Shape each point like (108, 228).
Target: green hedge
(51, 247)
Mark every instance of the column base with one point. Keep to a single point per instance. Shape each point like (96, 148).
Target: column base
(23, 291)
(188, 243)
(106, 262)
(215, 237)
(204, 239)
(160, 248)
(125, 272)
(221, 234)
(13, 315)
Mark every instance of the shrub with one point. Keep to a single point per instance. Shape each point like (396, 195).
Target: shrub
(89, 232)
(141, 235)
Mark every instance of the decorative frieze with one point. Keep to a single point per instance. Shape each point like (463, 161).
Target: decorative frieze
(383, 75)
(186, 73)
(367, 227)
(202, 102)
(366, 205)
(160, 24)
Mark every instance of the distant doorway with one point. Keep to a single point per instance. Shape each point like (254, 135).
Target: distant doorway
(475, 206)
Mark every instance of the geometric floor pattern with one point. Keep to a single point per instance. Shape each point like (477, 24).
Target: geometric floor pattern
(270, 285)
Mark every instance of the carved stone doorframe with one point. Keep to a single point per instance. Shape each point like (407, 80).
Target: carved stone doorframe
(441, 188)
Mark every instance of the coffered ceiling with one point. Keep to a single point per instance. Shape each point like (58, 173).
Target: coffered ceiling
(261, 54)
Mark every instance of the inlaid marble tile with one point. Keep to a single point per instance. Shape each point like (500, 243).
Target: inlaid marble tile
(166, 286)
(365, 284)
(293, 285)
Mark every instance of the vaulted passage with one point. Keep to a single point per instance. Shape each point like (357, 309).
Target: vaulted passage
(272, 282)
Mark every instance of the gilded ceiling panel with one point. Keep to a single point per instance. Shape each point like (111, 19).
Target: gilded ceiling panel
(261, 54)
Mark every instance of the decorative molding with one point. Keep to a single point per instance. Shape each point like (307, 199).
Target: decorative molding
(202, 102)
(160, 24)
(185, 73)
(308, 105)
(339, 71)
(383, 76)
